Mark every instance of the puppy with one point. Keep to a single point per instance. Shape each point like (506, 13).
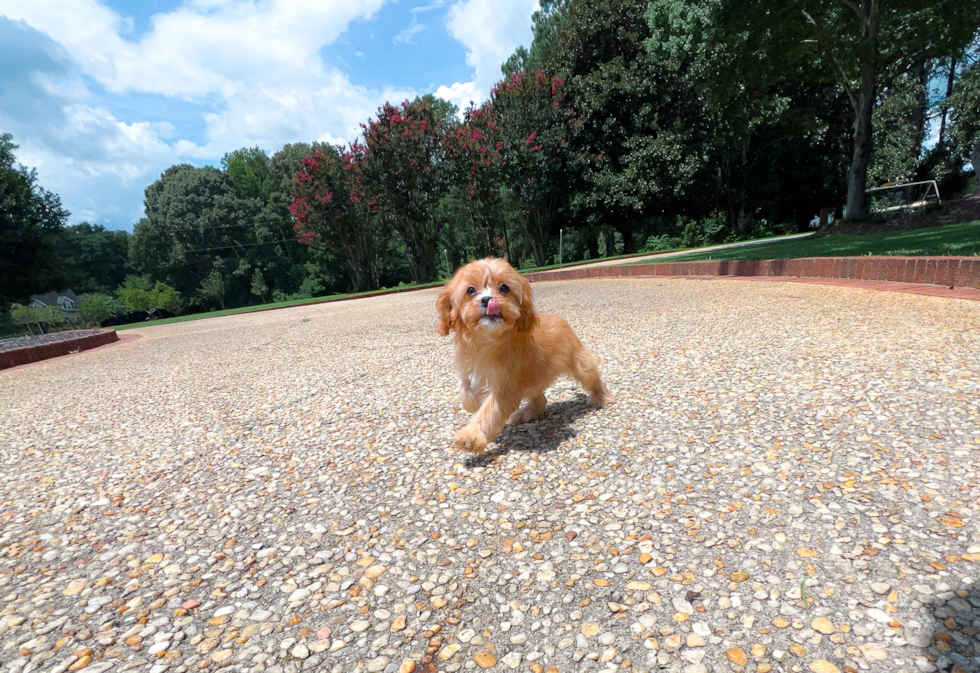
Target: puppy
(505, 352)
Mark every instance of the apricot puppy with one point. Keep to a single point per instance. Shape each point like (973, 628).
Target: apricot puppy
(505, 352)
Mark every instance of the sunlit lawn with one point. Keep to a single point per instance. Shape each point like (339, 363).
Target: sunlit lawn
(951, 240)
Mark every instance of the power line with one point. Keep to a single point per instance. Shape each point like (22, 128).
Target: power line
(220, 226)
(224, 247)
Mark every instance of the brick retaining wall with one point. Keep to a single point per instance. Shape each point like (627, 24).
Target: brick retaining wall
(28, 354)
(945, 271)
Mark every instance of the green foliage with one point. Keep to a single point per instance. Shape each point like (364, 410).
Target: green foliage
(94, 258)
(212, 289)
(405, 176)
(96, 307)
(896, 154)
(250, 172)
(965, 118)
(138, 293)
(45, 318)
(31, 227)
(259, 287)
(333, 208)
(538, 163)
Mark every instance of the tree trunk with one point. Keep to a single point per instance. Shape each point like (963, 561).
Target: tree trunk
(919, 111)
(626, 231)
(863, 105)
(975, 160)
(857, 177)
(949, 92)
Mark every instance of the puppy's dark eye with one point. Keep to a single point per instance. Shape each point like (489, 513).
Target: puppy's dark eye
(504, 289)
(471, 290)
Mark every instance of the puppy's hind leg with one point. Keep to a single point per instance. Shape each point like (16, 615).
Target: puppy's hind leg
(534, 408)
(585, 370)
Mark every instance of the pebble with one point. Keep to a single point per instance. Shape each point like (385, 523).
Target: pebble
(823, 625)
(378, 664)
(781, 479)
(822, 666)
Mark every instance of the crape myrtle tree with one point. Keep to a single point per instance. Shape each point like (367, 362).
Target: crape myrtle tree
(406, 174)
(475, 163)
(862, 44)
(331, 208)
(539, 165)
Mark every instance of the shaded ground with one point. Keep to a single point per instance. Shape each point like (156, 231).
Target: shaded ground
(787, 482)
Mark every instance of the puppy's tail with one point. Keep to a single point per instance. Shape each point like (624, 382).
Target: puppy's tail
(585, 370)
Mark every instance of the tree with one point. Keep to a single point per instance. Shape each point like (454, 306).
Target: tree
(964, 105)
(196, 222)
(52, 316)
(538, 164)
(405, 171)
(212, 289)
(32, 223)
(639, 133)
(475, 162)
(139, 294)
(94, 259)
(331, 207)
(259, 287)
(864, 44)
(96, 307)
(250, 172)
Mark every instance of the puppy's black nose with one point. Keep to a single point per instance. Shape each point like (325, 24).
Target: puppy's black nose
(484, 300)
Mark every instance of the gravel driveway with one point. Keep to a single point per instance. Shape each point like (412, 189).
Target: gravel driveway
(788, 481)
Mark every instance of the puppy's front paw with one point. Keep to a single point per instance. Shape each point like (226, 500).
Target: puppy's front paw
(600, 399)
(471, 441)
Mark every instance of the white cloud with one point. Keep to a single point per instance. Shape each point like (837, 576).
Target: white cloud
(96, 163)
(256, 64)
(408, 35)
(490, 30)
(425, 8)
(197, 49)
(460, 94)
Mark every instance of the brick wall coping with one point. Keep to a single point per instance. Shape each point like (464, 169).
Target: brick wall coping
(28, 354)
(942, 272)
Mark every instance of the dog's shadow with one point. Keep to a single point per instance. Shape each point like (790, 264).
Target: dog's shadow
(545, 434)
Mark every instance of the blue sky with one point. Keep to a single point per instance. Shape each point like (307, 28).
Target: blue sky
(103, 95)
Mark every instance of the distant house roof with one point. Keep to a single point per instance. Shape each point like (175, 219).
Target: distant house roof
(67, 300)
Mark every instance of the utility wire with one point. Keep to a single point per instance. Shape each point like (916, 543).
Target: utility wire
(223, 247)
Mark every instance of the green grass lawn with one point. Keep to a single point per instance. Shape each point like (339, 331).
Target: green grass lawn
(951, 240)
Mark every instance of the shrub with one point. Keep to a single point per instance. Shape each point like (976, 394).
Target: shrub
(96, 307)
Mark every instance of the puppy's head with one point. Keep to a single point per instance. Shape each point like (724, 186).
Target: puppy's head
(486, 296)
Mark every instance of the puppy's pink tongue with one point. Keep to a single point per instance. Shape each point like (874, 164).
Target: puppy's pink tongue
(493, 306)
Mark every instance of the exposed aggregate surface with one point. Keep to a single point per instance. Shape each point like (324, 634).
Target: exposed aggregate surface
(787, 481)
(28, 340)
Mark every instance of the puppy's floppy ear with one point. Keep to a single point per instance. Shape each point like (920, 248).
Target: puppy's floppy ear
(527, 318)
(447, 315)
